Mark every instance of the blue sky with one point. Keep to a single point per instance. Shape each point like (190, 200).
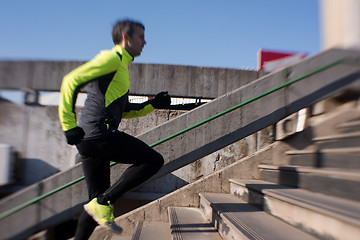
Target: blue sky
(211, 33)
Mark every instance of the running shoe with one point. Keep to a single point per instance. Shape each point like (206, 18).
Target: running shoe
(102, 214)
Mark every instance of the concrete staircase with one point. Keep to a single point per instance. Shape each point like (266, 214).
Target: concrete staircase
(197, 143)
(313, 194)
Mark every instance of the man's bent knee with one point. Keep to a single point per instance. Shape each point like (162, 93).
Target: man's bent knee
(158, 160)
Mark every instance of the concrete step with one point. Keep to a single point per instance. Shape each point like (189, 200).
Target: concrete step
(351, 126)
(235, 219)
(199, 142)
(335, 182)
(305, 209)
(190, 223)
(152, 230)
(342, 140)
(347, 158)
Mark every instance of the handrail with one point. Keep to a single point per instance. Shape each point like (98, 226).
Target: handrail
(344, 60)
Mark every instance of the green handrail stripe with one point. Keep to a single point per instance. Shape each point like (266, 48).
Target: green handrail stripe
(21, 206)
(28, 203)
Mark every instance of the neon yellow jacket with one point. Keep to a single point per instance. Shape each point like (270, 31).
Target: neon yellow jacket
(108, 85)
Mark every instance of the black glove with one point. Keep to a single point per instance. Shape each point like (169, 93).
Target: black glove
(74, 136)
(161, 101)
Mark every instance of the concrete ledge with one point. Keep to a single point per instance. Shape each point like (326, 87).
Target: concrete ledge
(146, 79)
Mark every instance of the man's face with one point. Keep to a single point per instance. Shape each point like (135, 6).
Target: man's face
(136, 43)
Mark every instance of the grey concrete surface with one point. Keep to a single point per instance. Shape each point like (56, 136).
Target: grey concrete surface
(190, 223)
(6, 164)
(304, 209)
(188, 196)
(150, 231)
(34, 131)
(146, 79)
(228, 129)
(235, 219)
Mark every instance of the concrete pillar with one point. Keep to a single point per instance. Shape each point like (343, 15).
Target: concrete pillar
(6, 164)
(340, 23)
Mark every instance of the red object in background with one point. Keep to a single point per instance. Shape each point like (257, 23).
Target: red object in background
(273, 60)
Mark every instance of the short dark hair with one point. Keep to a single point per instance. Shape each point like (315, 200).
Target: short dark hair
(127, 26)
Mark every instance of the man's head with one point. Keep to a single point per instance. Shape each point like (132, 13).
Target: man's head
(130, 35)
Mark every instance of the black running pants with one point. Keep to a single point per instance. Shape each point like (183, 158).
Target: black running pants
(96, 156)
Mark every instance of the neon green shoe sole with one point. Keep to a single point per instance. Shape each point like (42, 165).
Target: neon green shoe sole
(102, 214)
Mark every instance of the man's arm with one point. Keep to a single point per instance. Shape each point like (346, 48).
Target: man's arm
(133, 110)
(102, 64)
(161, 101)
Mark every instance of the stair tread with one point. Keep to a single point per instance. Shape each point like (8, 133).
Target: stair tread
(353, 174)
(344, 209)
(253, 222)
(190, 223)
(152, 230)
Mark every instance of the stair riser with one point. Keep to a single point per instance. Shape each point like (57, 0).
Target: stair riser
(330, 160)
(308, 160)
(344, 188)
(349, 129)
(188, 223)
(300, 217)
(248, 196)
(339, 143)
(223, 227)
(285, 178)
(243, 192)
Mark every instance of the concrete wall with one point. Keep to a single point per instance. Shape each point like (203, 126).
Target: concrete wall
(146, 79)
(35, 134)
(340, 23)
(34, 131)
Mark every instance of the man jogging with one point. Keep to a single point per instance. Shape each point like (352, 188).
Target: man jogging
(96, 134)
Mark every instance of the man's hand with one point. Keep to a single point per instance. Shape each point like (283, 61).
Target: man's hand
(161, 101)
(74, 136)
